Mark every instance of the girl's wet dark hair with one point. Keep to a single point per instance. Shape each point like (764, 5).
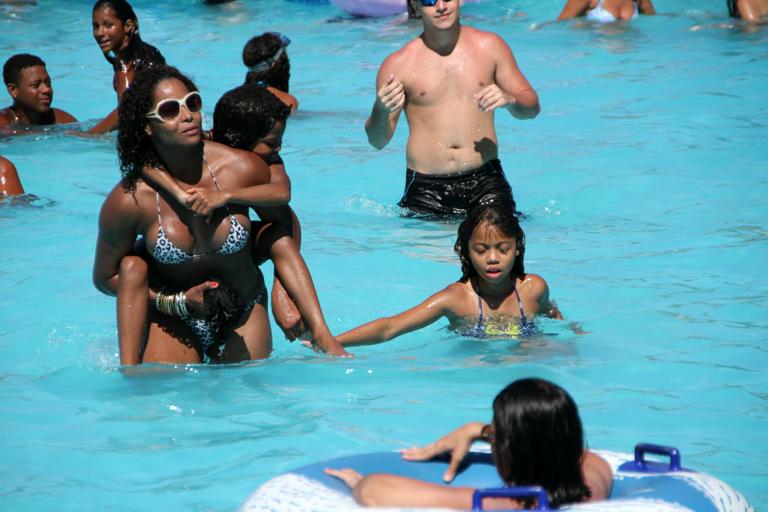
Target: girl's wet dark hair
(503, 216)
(224, 307)
(134, 146)
(246, 114)
(538, 440)
(123, 10)
(262, 47)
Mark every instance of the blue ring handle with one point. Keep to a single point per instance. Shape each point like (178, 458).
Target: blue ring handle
(642, 448)
(542, 500)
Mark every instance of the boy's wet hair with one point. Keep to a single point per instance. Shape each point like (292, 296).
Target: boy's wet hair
(16, 64)
(501, 215)
(262, 47)
(539, 440)
(246, 114)
(134, 147)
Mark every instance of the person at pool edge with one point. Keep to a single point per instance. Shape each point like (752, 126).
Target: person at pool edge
(30, 87)
(450, 81)
(536, 438)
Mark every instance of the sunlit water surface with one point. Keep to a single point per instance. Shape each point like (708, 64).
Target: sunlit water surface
(644, 181)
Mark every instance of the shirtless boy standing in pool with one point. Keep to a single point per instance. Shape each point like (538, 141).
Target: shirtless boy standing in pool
(30, 87)
(449, 81)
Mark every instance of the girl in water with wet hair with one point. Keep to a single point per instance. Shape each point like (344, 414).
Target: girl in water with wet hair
(116, 31)
(266, 58)
(494, 297)
(536, 438)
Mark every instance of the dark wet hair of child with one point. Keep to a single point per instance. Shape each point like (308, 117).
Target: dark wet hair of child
(538, 440)
(123, 10)
(246, 114)
(502, 216)
(265, 66)
(16, 64)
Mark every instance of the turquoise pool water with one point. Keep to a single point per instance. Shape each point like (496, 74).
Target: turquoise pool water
(644, 179)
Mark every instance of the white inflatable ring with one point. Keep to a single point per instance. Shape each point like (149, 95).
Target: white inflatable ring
(638, 485)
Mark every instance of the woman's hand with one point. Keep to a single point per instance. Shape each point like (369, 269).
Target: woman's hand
(204, 201)
(346, 475)
(457, 443)
(195, 298)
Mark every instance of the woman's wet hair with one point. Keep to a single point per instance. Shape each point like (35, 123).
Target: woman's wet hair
(538, 440)
(501, 215)
(123, 10)
(263, 47)
(16, 64)
(246, 114)
(134, 147)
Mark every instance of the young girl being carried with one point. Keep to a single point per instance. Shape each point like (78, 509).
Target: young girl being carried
(494, 288)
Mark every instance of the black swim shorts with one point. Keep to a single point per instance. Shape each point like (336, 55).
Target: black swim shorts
(454, 195)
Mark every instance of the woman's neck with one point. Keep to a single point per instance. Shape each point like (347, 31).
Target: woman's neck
(185, 164)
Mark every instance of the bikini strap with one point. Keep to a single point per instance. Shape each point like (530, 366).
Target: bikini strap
(523, 320)
(479, 324)
(157, 202)
(216, 183)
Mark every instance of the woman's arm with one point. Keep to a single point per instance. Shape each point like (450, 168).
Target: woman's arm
(118, 228)
(385, 490)
(384, 329)
(457, 443)
(573, 8)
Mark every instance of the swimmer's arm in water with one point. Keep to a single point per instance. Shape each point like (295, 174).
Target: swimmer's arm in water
(390, 101)
(387, 328)
(573, 8)
(547, 307)
(645, 7)
(386, 490)
(511, 89)
(107, 124)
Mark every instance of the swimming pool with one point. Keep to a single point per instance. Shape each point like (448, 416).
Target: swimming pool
(644, 180)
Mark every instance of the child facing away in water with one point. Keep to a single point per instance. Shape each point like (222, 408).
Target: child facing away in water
(494, 287)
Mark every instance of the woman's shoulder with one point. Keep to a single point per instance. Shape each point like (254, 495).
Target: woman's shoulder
(244, 166)
(597, 475)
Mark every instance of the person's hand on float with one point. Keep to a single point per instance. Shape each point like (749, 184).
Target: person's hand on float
(492, 97)
(204, 201)
(457, 443)
(195, 298)
(391, 96)
(346, 475)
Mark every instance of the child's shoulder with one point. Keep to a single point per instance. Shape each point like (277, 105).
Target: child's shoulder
(533, 284)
